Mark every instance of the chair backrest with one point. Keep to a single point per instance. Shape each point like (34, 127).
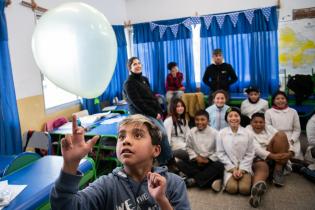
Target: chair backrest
(40, 140)
(20, 161)
(81, 113)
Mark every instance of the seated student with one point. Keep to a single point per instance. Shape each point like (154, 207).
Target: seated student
(177, 129)
(142, 101)
(308, 169)
(286, 119)
(310, 132)
(253, 103)
(272, 151)
(218, 109)
(137, 185)
(203, 168)
(236, 151)
(174, 86)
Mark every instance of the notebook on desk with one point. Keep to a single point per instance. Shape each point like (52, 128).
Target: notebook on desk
(109, 108)
(9, 192)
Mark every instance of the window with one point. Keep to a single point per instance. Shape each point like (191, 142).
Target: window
(196, 52)
(196, 49)
(55, 96)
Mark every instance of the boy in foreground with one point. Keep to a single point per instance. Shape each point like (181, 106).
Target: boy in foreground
(137, 185)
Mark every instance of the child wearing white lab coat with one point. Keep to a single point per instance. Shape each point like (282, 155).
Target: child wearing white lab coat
(235, 150)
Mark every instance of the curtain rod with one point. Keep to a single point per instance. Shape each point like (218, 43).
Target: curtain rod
(33, 6)
(127, 24)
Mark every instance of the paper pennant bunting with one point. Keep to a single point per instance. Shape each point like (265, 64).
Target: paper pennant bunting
(234, 18)
(187, 23)
(208, 20)
(153, 26)
(249, 14)
(220, 20)
(162, 29)
(195, 20)
(174, 29)
(267, 12)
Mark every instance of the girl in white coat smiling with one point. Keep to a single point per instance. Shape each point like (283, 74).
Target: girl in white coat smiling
(235, 150)
(286, 119)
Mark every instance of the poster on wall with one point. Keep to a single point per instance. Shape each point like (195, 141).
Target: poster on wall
(297, 46)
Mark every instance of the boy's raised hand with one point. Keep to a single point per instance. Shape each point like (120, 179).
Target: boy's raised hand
(74, 147)
(156, 185)
(157, 188)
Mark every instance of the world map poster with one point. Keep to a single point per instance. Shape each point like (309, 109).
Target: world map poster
(297, 46)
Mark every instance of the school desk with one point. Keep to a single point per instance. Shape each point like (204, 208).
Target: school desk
(39, 177)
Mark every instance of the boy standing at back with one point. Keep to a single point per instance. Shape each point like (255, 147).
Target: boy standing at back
(137, 185)
(219, 75)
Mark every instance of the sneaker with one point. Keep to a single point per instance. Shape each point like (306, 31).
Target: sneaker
(287, 168)
(216, 185)
(190, 182)
(278, 178)
(256, 193)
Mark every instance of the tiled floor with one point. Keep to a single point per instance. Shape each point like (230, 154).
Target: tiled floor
(297, 194)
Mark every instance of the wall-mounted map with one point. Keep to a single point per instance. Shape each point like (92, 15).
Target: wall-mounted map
(297, 46)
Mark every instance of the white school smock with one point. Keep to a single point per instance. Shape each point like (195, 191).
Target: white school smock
(310, 132)
(235, 150)
(262, 140)
(286, 120)
(179, 141)
(202, 143)
(248, 108)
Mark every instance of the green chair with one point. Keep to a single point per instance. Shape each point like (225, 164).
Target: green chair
(106, 144)
(20, 161)
(89, 176)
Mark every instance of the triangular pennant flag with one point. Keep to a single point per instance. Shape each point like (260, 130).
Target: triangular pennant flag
(187, 23)
(195, 20)
(234, 18)
(162, 30)
(174, 29)
(208, 20)
(249, 14)
(153, 26)
(220, 20)
(267, 12)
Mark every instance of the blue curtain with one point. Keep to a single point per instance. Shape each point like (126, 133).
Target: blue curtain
(252, 50)
(10, 133)
(120, 75)
(155, 52)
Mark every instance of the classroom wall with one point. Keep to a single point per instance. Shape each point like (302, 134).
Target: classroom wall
(27, 78)
(149, 10)
(33, 116)
(296, 41)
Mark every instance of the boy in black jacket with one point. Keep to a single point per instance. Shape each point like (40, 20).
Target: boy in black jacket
(219, 76)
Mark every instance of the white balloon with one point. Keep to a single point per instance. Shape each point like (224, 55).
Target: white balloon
(75, 47)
